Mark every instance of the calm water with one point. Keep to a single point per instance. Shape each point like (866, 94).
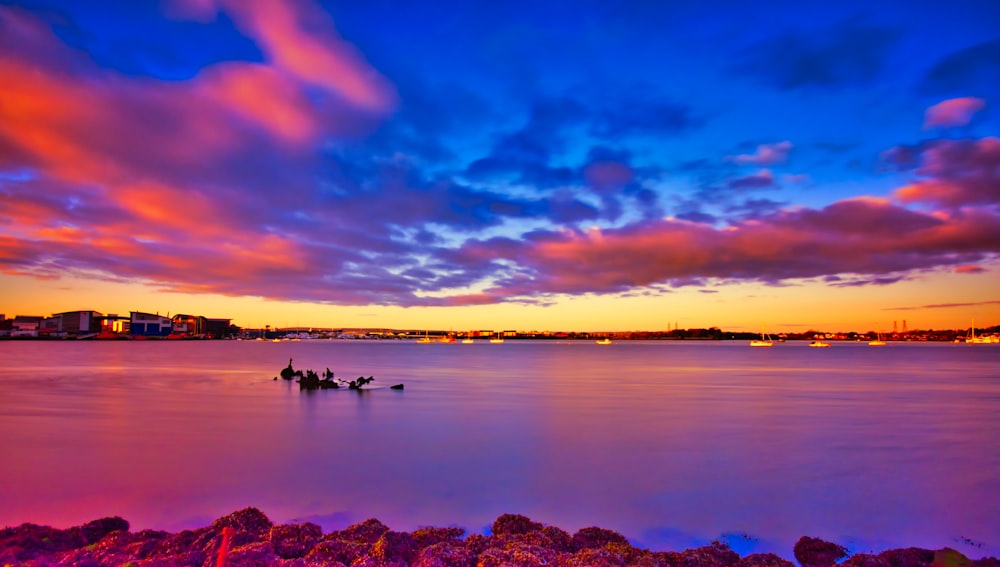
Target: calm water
(671, 443)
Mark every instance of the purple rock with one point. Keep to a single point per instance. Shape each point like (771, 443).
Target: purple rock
(814, 552)
(294, 540)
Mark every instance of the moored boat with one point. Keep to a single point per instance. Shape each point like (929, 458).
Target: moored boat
(764, 341)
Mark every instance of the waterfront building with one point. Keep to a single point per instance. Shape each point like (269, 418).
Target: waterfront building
(149, 325)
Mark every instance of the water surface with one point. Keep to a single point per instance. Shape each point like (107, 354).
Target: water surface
(673, 444)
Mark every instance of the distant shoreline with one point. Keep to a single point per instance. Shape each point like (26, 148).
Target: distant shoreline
(936, 337)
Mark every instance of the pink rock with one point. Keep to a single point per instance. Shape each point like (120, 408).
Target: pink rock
(249, 520)
(394, 545)
(445, 554)
(259, 554)
(367, 531)
(908, 557)
(717, 554)
(294, 540)
(338, 551)
(94, 531)
(593, 557)
(425, 537)
(375, 562)
(519, 555)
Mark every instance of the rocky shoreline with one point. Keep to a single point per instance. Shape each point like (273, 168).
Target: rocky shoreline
(248, 538)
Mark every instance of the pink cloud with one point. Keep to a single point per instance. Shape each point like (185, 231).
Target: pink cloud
(969, 269)
(953, 112)
(162, 182)
(861, 237)
(766, 154)
(957, 173)
(301, 41)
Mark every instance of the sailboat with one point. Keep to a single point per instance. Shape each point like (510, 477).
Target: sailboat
(498, 339)
(424, 340)
(468, 339)
(981, 340)
(878, 339)
(765, 339)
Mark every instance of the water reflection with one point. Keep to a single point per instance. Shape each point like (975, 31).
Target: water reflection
(672, 444)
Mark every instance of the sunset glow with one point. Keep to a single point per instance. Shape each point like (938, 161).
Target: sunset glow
(462, 165)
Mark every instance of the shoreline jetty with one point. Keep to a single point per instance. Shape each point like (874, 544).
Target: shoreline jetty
(248, 538)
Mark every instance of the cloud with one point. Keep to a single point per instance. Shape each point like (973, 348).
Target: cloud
(953, 112)
(754, 208)
(63, 116)
(300, 39)
(760, 180)
(766, 154)
(956, 173)
(849, 53)
(872, 239)
(641, 116)
(524, 155)
(975, 70)
(970, 269)
(247, 179)
(942, 306)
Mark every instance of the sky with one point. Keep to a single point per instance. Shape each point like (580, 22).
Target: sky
(543, 165)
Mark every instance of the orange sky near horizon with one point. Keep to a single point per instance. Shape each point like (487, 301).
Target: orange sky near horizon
(933, 301)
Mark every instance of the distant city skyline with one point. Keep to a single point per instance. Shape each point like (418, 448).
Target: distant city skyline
(462, 165)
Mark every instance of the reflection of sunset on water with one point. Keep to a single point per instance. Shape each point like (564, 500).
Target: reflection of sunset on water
(669, 442)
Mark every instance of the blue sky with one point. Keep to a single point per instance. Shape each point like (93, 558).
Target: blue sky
(471, 153)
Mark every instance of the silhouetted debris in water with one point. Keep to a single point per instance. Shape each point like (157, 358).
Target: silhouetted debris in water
(361, 381)
(814, 552)
(311, 380)
(247, 537)
(288, 372)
